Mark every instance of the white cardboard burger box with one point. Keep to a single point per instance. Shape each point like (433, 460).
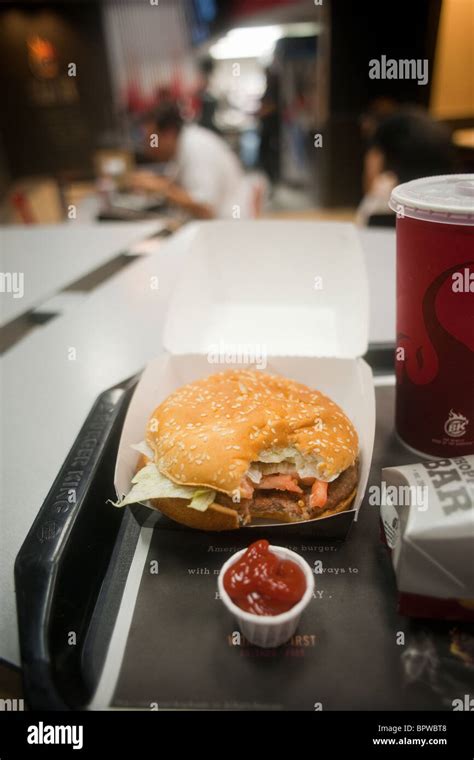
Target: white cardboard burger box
(284, 297)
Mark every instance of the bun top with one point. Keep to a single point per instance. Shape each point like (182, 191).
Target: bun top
(207, 433)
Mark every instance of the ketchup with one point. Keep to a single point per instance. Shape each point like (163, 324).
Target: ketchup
(262, 583)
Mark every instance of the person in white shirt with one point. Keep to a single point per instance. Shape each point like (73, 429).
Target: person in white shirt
(208, 181)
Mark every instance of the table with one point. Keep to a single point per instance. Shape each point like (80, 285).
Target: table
(50, 257)
(379, 249)
(51, 378)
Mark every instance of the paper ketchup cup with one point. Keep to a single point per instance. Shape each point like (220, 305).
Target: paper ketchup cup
(268, 630)
(434, 356)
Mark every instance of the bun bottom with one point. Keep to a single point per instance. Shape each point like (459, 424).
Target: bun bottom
(218, 518)
(215, 518)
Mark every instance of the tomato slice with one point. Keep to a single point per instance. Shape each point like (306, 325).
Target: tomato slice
(319, 494)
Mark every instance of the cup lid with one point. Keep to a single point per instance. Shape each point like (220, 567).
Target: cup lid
(447, 198)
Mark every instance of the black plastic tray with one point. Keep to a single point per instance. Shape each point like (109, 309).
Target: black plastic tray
(71, 571)
(61, 566)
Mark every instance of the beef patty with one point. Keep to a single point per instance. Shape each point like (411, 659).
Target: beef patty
(293, 507)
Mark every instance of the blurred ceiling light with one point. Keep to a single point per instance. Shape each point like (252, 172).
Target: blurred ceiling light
(247, 42)
(258, 41)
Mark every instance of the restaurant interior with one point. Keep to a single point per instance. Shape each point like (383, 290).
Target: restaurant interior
(285, 86)
(284, 83)
(127, 124)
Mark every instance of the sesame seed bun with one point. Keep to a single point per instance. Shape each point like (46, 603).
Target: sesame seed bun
(208, 433)
(215, 518)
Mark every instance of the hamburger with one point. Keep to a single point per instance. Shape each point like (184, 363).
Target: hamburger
(242, 445)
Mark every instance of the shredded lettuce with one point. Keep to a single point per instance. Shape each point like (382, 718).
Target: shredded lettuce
(254, 473)
(143, 448)
(150, 483)
(202, 499)
(284, 459)
(278, 454)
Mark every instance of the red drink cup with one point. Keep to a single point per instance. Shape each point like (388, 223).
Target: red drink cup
(434, 358)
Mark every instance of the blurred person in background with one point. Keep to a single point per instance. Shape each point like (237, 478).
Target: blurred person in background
(378, 110)
(206, 181)
(207, 103)
(406, 145)
(270, 127)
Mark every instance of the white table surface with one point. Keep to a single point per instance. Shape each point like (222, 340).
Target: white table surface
(53, 256)
(379, 249)
(115, 331)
